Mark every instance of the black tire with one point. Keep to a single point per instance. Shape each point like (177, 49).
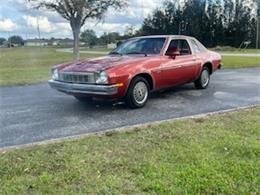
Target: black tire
(201, 83)
(83, 99)
(131, 100)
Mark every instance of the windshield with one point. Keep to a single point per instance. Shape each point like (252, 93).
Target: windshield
(140, 46)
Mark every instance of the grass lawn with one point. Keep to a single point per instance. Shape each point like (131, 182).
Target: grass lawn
(219, 154)
(96, 49)
(30, 64)
(240, 62)
(33, 64)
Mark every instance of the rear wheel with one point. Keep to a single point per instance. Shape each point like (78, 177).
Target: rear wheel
(203, 81)
(83, 98)
(138, 93)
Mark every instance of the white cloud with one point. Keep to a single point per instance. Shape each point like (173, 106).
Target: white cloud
(7, 25)
(24, 19)
(43, 22)
(100, 28)
(142, 8)
(47, 28)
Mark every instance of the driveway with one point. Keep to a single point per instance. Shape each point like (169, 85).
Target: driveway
(37, 113)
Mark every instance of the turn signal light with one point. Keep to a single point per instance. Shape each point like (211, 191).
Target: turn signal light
(120, 84)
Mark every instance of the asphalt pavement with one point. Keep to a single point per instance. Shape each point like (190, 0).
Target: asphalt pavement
(36, 113)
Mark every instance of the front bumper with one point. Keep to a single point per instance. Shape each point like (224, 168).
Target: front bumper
(91, 89)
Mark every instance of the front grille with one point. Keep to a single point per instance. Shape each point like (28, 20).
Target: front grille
(77, 77)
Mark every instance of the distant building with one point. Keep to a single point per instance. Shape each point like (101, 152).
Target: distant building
(51, 42)
(111, 45)
(7, 44)
(65, 42)
(54, 42)
(36, 42)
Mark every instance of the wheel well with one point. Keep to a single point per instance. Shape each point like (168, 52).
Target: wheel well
(147, 77)
(209, 66)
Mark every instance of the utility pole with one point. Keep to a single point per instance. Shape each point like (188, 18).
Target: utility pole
(257, 28)
(181, 27)
(10, 41)
(257, 32)
(38, 28)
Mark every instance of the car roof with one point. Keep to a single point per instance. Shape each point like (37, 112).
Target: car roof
(167, 36)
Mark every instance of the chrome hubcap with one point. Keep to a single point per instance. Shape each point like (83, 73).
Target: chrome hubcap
(204, 78)
(140, 92)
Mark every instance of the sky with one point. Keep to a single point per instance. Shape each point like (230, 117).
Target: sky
(17, 18)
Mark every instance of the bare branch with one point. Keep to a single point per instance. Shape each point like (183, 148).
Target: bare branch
(78, 11)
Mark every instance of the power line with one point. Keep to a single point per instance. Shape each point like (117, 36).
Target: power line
(10, 40)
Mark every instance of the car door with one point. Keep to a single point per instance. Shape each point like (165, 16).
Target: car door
(180, 69)
(197, 53)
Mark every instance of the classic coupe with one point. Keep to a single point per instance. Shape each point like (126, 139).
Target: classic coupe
(136, 68)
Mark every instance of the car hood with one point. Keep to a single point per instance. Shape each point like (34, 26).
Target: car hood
(98, 64)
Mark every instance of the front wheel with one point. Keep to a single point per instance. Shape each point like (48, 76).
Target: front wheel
(138, 93)
(203, 81)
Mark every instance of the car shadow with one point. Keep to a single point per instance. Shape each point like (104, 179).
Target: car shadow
(106, 105)
(166, 93)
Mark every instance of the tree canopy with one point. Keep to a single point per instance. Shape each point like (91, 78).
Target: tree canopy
(2, 40)
(214, 22)
(89, 37)
(16, 40)
(78, 11)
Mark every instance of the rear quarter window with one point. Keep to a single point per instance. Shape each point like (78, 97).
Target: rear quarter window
(195, 46)
(202, 47)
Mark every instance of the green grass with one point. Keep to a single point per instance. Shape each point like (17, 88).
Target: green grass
(29, 65)
(219, 154)
(103, 49)
(240, 62)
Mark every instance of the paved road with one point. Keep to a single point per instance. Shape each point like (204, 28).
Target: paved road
(36, 113)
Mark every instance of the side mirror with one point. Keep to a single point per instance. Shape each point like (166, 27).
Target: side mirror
(173, 53)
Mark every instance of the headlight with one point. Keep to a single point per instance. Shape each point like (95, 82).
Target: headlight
(101, 78)
(55, 74)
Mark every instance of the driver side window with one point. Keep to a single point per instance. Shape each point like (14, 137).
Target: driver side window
(180, 45)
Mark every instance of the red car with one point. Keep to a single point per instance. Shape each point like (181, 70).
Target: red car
(137, 67)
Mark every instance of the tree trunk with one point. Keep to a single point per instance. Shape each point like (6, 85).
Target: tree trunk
(76, 32)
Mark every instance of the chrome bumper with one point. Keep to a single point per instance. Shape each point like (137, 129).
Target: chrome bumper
(91, 89)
